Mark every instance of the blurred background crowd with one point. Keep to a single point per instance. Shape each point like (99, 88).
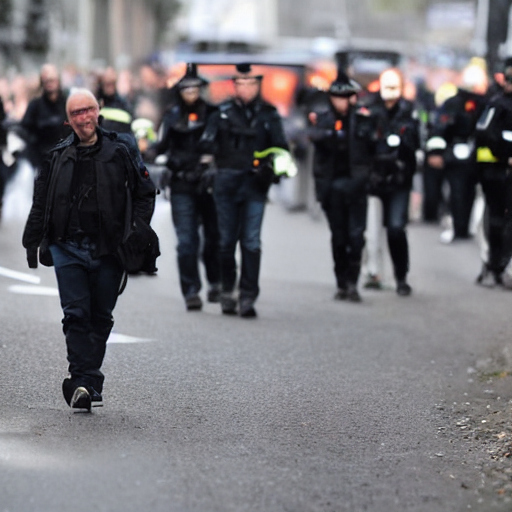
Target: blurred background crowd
(298, 46)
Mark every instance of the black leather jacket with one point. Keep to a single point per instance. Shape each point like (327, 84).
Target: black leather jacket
(116, 166)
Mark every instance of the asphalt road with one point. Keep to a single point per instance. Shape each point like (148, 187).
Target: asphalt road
(316, 405)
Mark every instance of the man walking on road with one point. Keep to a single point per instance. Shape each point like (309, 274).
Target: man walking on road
(77, 222)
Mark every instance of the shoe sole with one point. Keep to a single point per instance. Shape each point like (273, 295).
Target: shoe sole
(81, 399)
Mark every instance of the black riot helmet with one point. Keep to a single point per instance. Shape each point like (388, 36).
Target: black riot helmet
(191, 78)
(343, 85)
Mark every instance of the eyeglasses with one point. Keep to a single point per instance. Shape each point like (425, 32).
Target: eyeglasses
(82, 111)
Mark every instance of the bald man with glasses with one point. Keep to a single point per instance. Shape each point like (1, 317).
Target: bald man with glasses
(77, 223)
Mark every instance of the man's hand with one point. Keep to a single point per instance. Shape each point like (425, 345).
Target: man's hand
(32, 257)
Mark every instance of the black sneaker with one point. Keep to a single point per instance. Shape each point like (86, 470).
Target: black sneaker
(341, 294)
(228, 304)
(193, 302)
(81, 399)
(247, 308)
(485, 278)
(403, 289)
(68, 388)
(353, 294)
(214, 294)
(96, 398)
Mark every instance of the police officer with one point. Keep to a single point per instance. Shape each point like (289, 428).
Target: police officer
(394, 167)
(451, 146)
(494, 138)
(192, 202)
(244, 124)
(44, 121)
(343, 138)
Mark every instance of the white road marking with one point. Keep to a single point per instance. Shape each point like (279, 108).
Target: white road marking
(33, 290)
(115, 337)
(20, 276)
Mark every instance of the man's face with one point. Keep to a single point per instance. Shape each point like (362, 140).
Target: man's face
(341, 103)
(83, 113)
(50, 81)
(390, 86)
(190, 94)
(246, 89)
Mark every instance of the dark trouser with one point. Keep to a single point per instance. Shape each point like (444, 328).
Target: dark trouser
(88, 289)
(433, 200)
(396, 215)
(345, 209)
(189, 212)
(240, 218)
(462, 181)
(507, 252)
(493, 179)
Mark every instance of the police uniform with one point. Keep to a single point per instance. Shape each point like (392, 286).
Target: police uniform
(494, 140)
(235, 133)
(192, 203)
(344, 148)
(452, 137)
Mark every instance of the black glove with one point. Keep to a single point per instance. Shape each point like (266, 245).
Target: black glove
(207, 179)
(264, 177)
(32, 257)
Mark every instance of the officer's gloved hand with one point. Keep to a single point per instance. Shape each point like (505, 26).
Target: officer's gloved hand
(32, 257)
(207, 178)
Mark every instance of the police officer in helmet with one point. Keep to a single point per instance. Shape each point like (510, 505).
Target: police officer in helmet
(343, 140)
(192, 203)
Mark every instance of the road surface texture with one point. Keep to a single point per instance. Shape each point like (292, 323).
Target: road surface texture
(395, 404)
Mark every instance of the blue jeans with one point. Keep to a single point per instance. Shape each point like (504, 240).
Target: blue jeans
(189, 212)
(88, 289)
(240, 217)
(396, 215)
